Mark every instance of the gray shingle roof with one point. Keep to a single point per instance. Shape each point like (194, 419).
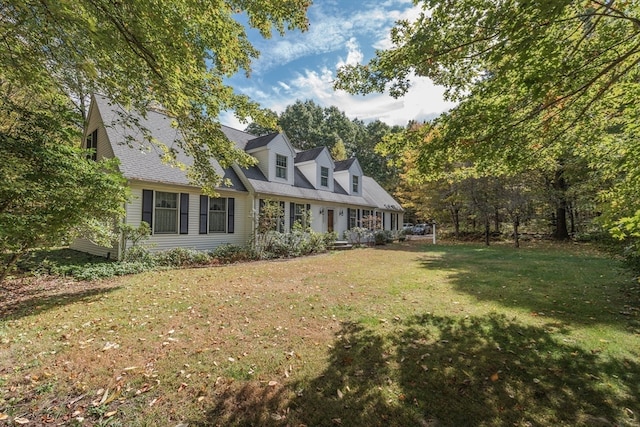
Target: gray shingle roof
(305, 156)
(343, 165)
(141, 160)
(261, 141)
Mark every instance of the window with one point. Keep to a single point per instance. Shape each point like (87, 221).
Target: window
(92, 144)
(281, 166)
(354, 183)
(166, 213)
(324, 176)
(300, 215)
(353, 218)
(217, 215)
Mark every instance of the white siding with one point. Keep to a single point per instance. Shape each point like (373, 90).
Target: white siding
(192, 240)
(85, 245)
(263, 162)
(280, 146)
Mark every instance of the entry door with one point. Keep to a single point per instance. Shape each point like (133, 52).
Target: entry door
(329, 220)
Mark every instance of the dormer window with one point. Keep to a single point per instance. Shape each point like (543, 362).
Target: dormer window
(281, 166)
(324, 176)
(354, 184)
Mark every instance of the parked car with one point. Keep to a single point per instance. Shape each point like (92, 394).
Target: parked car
(407, 227)
(421, 229)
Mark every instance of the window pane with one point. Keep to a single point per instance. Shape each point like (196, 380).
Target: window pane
(281, 166)
(166, 221)
(324, 176)
(166, 200)
(218, 215)
(166, 213)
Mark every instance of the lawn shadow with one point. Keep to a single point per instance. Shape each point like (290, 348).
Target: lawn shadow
(444, 371)
(574, 289)
(41, 296)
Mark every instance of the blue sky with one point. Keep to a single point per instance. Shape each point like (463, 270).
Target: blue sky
(303, 65)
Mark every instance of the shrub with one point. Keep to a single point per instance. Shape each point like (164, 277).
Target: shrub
(229, 253)
(139, 254)
(179, 257)
(102, 271)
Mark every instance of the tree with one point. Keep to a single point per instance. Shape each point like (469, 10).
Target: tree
(141, 55)
(339, 152)
(50, 192)
(532, 79)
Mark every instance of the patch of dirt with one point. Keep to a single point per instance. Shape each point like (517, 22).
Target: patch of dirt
(34, 293)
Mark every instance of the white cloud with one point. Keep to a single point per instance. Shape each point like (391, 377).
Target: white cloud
(330, 29)
(368, 25)
(354, 54)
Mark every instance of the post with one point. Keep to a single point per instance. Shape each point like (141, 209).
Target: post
(433, 230)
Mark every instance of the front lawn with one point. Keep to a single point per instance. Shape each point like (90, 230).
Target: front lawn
(404, 335)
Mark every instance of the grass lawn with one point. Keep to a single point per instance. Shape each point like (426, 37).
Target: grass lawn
(404, 335)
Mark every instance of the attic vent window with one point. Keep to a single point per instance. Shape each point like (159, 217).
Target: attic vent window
(324, 176)
(354, 184)
(281, 166)
(92, 144)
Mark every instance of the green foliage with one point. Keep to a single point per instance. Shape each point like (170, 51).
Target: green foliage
(135, 235)
(539, 86)
(141, 54)
(106, 270)
(359, 235)
(50, 193)
(228, 254)
(181, 257)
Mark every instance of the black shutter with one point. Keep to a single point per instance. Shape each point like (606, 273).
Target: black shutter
(147, 207)
(384, 217)
(358, 224)
(292, 214)
(231, 206)
(348, 218)
(204, 213)
(184, 213)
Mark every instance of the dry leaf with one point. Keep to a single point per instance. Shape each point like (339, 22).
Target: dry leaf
(20, 420)
(340, 394)
(494, 377)
(3, 416)
(273, 383)
(110, 414)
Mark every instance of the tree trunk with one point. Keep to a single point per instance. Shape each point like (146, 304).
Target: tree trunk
(561, 232)
(487, 231)
(455, 218)
(560, 186)
(496, 221)
(516, 234)
(8, 265)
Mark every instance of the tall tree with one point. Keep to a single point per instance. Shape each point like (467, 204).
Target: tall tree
(526, 76)
(50, 192)
(141, 54)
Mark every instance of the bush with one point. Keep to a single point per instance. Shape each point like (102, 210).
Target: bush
(181, 257)
(229, 253)
(102, 271)
(139, 254)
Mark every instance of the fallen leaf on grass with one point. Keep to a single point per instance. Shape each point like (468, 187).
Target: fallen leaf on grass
(273, 383)
(20, 420)
(495, 377)
(110, 414)
(3, 416)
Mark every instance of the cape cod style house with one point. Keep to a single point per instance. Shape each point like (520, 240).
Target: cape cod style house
(336, 193)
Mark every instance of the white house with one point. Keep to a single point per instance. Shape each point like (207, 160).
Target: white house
(336, 193)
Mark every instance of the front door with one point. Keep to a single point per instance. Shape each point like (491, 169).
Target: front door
(330, 220)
